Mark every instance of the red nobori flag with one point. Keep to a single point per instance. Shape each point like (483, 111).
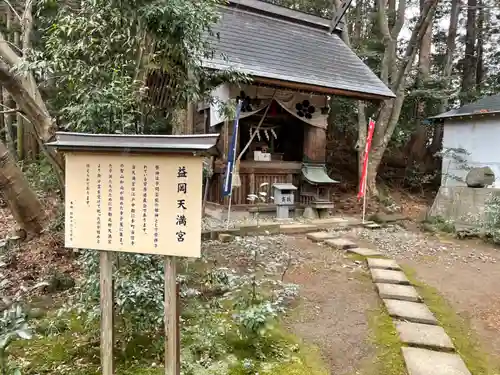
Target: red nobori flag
(362, 187)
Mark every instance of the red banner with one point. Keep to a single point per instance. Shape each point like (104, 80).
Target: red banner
(369, 136)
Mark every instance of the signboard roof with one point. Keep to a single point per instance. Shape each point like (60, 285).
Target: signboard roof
(202, 144)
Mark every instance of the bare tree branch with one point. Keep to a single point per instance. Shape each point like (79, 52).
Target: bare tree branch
(24, 91)
(400, 20)
(383, 22)
(27, 26)
(10, 111)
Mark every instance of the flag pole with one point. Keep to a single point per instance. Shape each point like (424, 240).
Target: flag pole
(364, 175)
(236, 129)
(364, 189)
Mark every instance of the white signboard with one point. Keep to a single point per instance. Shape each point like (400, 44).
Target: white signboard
(134, 203)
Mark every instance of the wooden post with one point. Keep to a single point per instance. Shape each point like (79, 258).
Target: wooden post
(177, 319)
(171, 321)
(190, 111)
(107, 339)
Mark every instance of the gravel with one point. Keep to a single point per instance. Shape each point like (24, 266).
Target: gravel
(211, 223)
(398, 242)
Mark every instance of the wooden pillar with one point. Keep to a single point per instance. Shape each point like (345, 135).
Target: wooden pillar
(107, 334)
(172, 365)
(252, 183)
(225, 139)
(189, 128)
(314, 144)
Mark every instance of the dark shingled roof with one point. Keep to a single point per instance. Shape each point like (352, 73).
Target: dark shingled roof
(273, 10)
(488, 104)
(278, 49)
(200, 143)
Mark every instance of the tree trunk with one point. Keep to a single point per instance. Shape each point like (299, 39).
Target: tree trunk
(362, 125)
(9, 123)
(469, 61)
(451, 43)
(358, 24)
(23, 202)
(391, 109)
(480, 47)
(418, 140)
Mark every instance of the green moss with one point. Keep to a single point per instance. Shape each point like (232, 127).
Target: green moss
(458, 328)
(298, 369)
(388, 359)
(303, 359)
(75, 343)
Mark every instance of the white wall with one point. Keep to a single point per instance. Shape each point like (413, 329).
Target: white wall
(480, 137)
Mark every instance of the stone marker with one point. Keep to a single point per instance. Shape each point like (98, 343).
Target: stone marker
(387, 264)
(410, 311)
(388, 276)
(320, 236)
(416, 334)
(400, 292)
(364, 252)
(341, 243)
(428, 362)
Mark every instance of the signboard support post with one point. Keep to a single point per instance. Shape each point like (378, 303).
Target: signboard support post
(172, 364)
(126, 193)
(106, 287)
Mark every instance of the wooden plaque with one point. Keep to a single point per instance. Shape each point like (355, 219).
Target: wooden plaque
(134, 203)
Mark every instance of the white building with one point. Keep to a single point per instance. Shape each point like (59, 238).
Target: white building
(471, 139)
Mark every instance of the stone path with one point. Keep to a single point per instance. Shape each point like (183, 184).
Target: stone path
(427, 348)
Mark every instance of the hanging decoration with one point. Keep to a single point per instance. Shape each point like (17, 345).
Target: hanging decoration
(305, 109)
(265, 131)
(309, 108)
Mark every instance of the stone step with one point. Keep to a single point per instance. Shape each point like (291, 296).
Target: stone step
(320, 236)
(399, 292)
(387, 264)
(371, 225)
(297, 228)
(429, 362)
(389, 277)
(341, 243)
(428, 336)
(364, 252)
(410, 311)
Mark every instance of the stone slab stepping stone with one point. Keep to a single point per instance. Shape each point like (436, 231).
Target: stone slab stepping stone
(388, 276)
(371, 225)
(364, 252)
(320, 236)
(416, 334)
(410, 311)
(330, 220)
(396, 291)
(341, 243)
(297, 228)
(428, 362)
(387, 264)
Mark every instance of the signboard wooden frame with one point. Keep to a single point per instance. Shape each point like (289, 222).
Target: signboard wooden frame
(141, 194)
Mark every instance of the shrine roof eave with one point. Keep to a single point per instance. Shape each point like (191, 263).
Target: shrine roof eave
(199, 144)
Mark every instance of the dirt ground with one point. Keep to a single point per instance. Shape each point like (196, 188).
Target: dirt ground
(471, 286)
(336, 298)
